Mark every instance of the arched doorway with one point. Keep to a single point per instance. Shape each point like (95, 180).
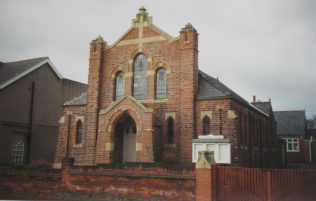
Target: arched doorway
(125, 140)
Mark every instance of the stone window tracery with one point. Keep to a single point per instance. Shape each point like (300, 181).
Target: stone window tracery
(140, 77)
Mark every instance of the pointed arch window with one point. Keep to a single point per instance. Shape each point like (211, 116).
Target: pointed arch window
(170, 130)
(161, 83)
(140, 77)
(119, 85)
(79, 131)
(206, 125)
(18, 153)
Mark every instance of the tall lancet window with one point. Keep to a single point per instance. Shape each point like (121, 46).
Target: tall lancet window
(161, 84)
(140, 77)
(170, 131)
(206, 125)
(119, 85)
(79, 132)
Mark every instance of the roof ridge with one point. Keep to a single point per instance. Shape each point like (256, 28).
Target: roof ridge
(289, 111)
(26, 60)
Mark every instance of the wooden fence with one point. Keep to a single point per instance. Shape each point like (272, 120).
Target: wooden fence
(255, 184)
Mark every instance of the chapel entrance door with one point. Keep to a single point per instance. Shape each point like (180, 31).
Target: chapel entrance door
(129, 142)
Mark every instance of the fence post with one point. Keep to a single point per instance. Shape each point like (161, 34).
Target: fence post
(268, 185)
(203, 188)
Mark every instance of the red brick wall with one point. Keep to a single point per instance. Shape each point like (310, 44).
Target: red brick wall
(61, 146)
(90, 183)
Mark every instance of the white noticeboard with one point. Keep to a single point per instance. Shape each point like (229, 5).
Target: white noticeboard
(221, 151)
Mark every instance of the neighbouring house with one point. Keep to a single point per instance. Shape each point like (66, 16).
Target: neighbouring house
(147, 101)
(311, 128)
(31, 96)
(291, 127)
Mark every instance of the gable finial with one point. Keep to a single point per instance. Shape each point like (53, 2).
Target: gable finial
(142, 9)
(142, 18)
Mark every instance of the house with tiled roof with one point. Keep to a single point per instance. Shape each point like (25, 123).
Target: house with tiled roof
(291, 127)
(32, 93)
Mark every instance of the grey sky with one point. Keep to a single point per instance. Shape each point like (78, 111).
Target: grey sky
(264, 48)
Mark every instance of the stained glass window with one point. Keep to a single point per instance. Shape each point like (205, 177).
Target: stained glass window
(79, 132)
(140, 77)
(119, 85)
(161, 84)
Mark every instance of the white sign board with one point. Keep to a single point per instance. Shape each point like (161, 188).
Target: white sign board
(221, 151)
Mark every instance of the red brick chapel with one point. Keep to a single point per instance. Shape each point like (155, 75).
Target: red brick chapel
(147, 100)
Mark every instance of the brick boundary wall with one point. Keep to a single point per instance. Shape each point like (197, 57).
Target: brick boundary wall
(131, 182)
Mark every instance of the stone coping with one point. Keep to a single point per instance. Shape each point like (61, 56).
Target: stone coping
(210, 140)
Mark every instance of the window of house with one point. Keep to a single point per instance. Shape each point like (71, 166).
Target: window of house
(161, 84)
(79, 131)
(18, 153)
(119, 85)
(206, 125)
(292, 145)
(140, 77)
(170, 130)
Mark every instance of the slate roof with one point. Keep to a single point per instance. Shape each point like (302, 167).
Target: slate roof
(12, 71)
(263, 106)
(80, 100)
(290, 122)
(211, 88)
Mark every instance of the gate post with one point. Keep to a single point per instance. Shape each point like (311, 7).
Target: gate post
(203, 186)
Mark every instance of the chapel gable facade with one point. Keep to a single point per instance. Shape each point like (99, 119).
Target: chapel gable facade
(147, 100)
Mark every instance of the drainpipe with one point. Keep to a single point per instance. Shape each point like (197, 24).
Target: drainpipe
(29, 137)
(68, 135)
(310, 149)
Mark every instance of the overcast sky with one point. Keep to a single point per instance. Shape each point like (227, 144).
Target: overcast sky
(265, 48)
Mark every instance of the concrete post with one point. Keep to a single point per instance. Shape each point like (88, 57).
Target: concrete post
(203, 188)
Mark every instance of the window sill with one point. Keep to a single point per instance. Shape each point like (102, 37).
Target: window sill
(293, 151)
(170, 146)
(77, 146)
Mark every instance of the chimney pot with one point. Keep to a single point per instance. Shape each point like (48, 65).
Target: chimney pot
(254, 99)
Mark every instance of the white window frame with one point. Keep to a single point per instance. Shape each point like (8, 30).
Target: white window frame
(18, 153)
(292, 141)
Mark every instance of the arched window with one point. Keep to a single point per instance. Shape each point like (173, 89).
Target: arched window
(18, 153)
(206, 125)
(119, 85)
(170, 130)
(79, 130)
(140, 77)
(161, 83)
